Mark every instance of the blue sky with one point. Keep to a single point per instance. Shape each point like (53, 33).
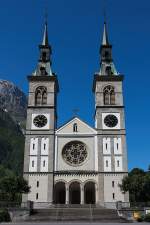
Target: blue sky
(75, 31)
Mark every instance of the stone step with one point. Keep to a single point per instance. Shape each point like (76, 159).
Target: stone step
(75, 214)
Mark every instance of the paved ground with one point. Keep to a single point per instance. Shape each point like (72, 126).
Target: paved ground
(72, 223)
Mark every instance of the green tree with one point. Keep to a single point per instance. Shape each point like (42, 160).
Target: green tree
(11, 187)
(137, 183)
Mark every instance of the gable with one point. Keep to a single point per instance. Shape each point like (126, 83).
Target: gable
(82, 127)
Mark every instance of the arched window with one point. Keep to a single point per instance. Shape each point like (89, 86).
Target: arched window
(109, 95)
(41, 96)
(75, 127)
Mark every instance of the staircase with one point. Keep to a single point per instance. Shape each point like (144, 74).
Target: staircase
(74, 213)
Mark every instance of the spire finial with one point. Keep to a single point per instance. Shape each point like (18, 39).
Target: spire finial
(45, 36)
(105, 34)
(105, 40)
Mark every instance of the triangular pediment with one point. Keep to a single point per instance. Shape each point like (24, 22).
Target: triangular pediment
(81, 127)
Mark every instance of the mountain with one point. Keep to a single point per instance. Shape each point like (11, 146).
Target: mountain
(11, 143)
(13, 103)
(13, 100)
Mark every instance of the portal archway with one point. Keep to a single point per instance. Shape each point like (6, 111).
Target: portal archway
(74, 193)
(89, 193)
(59, 193)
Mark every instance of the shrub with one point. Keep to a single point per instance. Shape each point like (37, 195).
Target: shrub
(4, 215)
(140, 219)
(147, 218)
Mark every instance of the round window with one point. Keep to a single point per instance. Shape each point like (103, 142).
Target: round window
(74, 153)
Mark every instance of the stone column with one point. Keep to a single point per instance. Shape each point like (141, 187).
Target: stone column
(67, 194)
(82, 194)
(96, 194)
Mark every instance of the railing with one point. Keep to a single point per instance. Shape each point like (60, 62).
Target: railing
(17, 205)
(43, 205)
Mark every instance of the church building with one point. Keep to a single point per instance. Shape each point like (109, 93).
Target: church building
(75, 163)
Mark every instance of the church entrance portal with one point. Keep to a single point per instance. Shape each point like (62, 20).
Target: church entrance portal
(74, 193)
(59, 193)
(89, 193)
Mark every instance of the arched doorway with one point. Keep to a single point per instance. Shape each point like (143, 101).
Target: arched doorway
(74, 193)
(89, 193)
(59, 193)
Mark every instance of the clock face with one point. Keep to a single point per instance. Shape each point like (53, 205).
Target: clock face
(111, 120)
(40, 121)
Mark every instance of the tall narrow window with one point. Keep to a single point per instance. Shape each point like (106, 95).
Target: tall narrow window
(118, 164)
(112, 97)
(44, 98)
(109, 95)
(32, 163)
(113, 195)
(44, 56)
(106, 146)
(106, 98)
(44, 146)
(33, 146)
(113, 183)
(37, 184)
(106, 163)
(117, 146)
(75, 127)
(44, 163)
(37, 196)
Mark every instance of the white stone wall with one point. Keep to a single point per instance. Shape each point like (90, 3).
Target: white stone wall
(88, 164)
(85, 134)
(109, 189)
(41, 190)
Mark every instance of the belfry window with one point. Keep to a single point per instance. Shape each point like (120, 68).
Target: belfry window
(43, 71)
(41, 96)
(44, 56)
(108, 70)
(109, 95)
(75, 127)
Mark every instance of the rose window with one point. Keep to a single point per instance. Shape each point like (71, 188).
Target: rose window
(74, 153)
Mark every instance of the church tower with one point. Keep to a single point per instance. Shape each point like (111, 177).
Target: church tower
(110, 126)
(40, 127)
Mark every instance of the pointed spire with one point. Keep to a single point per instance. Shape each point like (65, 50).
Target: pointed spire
(45, 36)
(105, 36)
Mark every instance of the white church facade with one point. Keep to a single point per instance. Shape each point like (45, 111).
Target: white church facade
(75, 163)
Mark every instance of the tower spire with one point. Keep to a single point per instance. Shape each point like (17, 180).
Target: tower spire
(107, 66)
(105, 40)
(44, 63)
(45, 35)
